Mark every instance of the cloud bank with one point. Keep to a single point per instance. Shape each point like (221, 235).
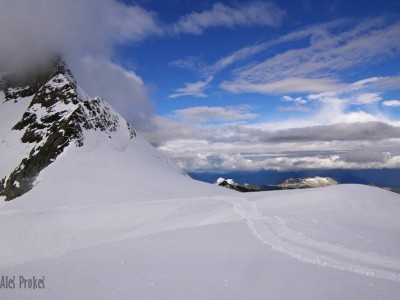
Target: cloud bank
(344, 124)
(84, 33)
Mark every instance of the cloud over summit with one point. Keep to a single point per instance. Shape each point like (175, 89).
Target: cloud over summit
(84, 33)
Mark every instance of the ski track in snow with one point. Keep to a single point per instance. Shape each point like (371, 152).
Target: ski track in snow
(271, 230)
(275, 232)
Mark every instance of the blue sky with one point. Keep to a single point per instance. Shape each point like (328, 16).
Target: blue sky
(169, 64)
(234, 85)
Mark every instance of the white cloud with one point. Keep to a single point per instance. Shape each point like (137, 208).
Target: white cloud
(195, 89)
(298, 100)
(191, 63)
(197, 145)
(327, 53)
(298, 104)
(251, 14)
(84, 34)
(286, 85)
(133, 23)
(367, 98)
(387, 83)
(231, 162)
(195, 63)
(70, 28)
(326, 139)
(293, 108)
(202, 114)
(366, 155)
(341, 131)
(391, 103)
(122, 88)
(236, 56)
(364, 82)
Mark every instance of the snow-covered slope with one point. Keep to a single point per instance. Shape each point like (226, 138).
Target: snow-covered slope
(112, 218)
(339, 242)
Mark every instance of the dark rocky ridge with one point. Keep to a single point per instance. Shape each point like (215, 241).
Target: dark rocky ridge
(56, 117)
(230, 184)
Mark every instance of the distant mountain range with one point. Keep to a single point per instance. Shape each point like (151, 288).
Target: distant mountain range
(379, 177)
(288, 184)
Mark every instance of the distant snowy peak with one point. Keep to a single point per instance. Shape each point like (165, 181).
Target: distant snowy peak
(223, 180)
(311, 182)
(59, 114)
(231, 184)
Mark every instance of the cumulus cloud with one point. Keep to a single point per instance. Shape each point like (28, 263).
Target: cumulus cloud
(195, 89)
(244, 15)
(201, 146)
(283, 162)
(326, 139)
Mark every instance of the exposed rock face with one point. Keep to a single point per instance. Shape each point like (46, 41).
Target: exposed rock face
(57, 116)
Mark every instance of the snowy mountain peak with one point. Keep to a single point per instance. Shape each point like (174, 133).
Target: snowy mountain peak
(231, 184)
(310, 182)
(221, 180)
(16, 86)
(57, 114)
